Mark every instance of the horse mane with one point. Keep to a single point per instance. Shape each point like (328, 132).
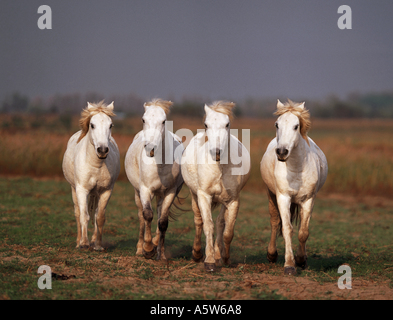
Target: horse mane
(224, 107)
(163, 104)
(87, 114)
(302, 113)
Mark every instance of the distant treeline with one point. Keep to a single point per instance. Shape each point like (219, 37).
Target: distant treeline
(373, 105)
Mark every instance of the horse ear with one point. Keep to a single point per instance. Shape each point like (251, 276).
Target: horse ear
(146, 106)
(207, 109)
(302, 105)
(89, 106)
(111, 106)
(279, 104)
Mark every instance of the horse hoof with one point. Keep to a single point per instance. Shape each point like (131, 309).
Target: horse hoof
(84, 247)
(290, 271)
(98, 248)
(197, 257)
(161, 258)
(302, 265)
(272, 257)
(151, 254)
(210, 267)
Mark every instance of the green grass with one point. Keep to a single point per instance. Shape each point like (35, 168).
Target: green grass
(37, 226)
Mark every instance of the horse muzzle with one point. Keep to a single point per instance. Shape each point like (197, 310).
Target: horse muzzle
(150, 151)
(216, 154)
(282, 154)
(102, 152)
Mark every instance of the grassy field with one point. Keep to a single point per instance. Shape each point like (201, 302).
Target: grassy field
(351, 223)
(37, 227)
(359, 152)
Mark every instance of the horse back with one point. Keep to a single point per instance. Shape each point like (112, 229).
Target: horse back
(68, 158)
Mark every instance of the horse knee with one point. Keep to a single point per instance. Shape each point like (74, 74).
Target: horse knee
(84, 218)
(198, 221)
(148, 214)
(228, 238)
(163, 225)
(303, 235)
(287, 231)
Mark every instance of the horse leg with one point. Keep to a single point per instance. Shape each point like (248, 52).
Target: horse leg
(197, 254)
(139, 246)
(275, 221)
(284, 203)
(94, 237)
(230, 220)
(100, 219)
(204, 204)
(148, 248)
(77, 216)
(219, 245)
(163, 222)
(305, 216)
(82, 196)
(156, 238)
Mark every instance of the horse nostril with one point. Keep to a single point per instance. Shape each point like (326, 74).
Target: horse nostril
(150, 147)
(102, 150)
(282, 151)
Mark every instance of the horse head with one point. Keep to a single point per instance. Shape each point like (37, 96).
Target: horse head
(100, 128)
(217, 124)
(153, 121)
(291, 126)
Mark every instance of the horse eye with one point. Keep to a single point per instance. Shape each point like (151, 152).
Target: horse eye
(92, 125)
(143, 120)
(227, 126)
(296, 127)
(164, 122)
(276, 125)
(205, 125)
(111, 126)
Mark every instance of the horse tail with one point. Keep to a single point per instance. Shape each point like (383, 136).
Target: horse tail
(294, 209)
(173, 215)
(92, 206)
(294, 212)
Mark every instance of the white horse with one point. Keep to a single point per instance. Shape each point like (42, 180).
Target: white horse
(91, 164)
(213, 178)
(294, 169)
(152, 166)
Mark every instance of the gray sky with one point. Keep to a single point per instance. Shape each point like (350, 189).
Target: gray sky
(216, 49)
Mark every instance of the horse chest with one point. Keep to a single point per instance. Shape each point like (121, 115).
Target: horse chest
(296, 184)
(159, 181)
(98, 178)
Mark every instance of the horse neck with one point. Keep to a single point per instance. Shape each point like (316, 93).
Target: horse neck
(228, 150)
(298, 155)
(165, 136)
(221, 166)
(91, 156)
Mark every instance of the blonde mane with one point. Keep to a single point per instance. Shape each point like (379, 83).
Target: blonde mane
(302, 113)
(87, 114)
(224, 107)
(163, 104)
